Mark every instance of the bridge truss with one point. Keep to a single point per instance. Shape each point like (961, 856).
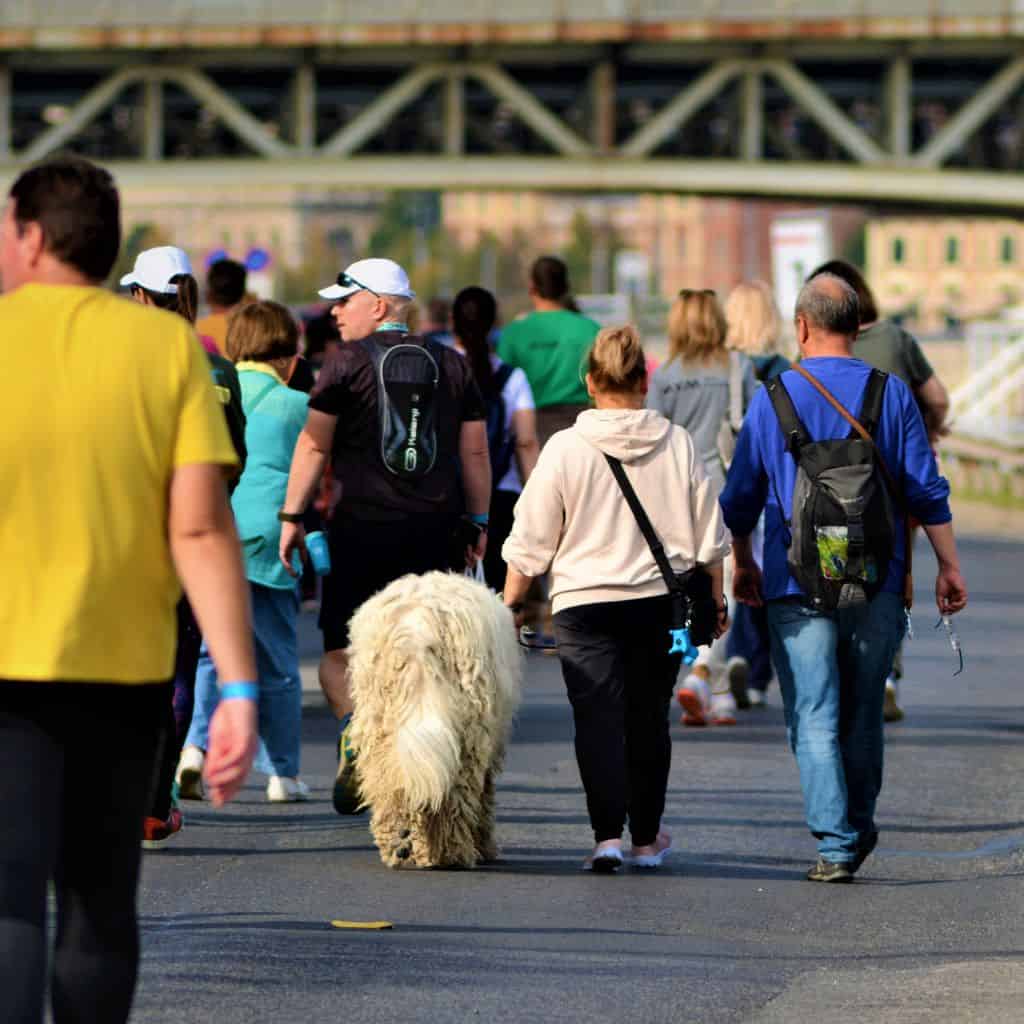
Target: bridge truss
(936, 122)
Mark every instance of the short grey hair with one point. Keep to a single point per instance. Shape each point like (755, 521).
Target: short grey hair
(828, 302)
(398, 306)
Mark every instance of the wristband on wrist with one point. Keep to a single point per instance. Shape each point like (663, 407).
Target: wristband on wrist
(240, 690)
(480, 518)
(290, 517)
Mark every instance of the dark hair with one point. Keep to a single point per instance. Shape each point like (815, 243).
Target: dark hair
(855, 279)
(437, 310)
(550, 279)
(835, 309)
(474, 312)
(225, 283)
(184, 302)
(76, 205)
(320, 330)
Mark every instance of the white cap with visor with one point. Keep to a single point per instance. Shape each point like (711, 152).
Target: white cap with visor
(378, 276)
(155, 268)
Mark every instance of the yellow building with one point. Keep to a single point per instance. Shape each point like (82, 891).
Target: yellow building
(937, 271)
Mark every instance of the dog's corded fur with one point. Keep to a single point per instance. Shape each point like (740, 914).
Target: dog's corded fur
(436, 678)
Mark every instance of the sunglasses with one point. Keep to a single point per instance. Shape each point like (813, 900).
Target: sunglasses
(685, 293)
(348, 281)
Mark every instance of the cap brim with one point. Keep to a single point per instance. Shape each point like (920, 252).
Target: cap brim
(128, 280)
(334, 292)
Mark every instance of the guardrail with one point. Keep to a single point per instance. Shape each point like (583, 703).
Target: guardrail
(875, 17)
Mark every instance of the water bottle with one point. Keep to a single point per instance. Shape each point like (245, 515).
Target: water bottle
(319, 552)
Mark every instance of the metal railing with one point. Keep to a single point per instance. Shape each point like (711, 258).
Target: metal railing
(883, 15)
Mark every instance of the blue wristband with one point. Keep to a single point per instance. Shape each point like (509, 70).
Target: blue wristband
(480, 518)
(245, 691)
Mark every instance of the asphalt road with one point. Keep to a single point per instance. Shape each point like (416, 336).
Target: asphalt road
(237, 909)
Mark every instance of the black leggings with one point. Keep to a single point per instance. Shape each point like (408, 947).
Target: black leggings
(619, 676)
(178, 714)
(76, 766)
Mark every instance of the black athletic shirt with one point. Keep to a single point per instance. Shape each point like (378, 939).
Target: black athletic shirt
(347, 388)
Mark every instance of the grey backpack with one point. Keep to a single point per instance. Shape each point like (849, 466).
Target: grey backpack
(842, 528)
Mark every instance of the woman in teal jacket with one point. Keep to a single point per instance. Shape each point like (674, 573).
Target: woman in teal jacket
(263, 342)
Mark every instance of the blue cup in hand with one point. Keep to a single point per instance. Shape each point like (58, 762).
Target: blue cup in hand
(319, 553)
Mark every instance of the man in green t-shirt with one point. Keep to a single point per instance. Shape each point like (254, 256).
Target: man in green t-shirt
(549, 346)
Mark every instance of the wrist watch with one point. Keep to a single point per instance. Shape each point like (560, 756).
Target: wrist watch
(290, 517)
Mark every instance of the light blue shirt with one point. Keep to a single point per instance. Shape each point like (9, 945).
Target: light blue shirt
(274, 418)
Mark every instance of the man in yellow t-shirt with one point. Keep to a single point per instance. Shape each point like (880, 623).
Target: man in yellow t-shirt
(112, 477)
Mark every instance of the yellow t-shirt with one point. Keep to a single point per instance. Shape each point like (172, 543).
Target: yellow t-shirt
(104, 399)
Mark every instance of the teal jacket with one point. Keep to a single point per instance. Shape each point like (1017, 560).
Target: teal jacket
(274, 418)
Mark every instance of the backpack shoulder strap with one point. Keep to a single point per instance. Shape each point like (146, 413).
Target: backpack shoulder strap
(657, 548)
(793, 430)
(874, 395)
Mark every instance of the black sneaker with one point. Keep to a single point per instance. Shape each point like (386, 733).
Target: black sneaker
(864, 850)
(830, 871)
(346, 796)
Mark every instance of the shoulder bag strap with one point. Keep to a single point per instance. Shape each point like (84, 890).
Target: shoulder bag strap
(735, 392)
(657, 549)
(908, 581)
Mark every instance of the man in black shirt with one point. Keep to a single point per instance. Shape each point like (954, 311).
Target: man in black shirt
(385, 524)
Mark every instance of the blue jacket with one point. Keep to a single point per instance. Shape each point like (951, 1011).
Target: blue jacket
(763, 473)
(274, 418)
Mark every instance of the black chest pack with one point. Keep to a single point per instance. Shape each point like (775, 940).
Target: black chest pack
(408, 376)
(843, 522)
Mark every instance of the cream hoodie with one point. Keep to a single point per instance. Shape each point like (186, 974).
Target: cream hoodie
(573, 519)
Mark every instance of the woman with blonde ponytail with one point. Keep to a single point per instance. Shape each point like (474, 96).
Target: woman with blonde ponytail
(612, 612)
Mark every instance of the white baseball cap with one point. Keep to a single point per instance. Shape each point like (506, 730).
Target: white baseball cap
(154, 269)
(382, 277)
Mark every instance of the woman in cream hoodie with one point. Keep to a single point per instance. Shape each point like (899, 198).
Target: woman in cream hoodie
(612, 613)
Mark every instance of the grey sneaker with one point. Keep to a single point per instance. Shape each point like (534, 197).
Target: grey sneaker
(829, 871)
(737, 671)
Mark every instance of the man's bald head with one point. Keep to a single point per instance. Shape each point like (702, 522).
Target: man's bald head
(829, 306)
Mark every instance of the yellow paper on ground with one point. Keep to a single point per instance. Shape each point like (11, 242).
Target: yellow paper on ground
(375, 926)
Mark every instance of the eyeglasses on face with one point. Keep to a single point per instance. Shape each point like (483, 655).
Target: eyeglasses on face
(685, 293)
(348, 281)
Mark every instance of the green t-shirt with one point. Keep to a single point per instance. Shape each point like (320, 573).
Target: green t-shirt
(886, 346)
(550, 348)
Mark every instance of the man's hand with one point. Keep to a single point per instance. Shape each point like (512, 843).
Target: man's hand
(950, 590)
(746, 584)
(293, 538)
(231, 749)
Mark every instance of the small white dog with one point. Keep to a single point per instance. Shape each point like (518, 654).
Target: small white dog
(436, 673)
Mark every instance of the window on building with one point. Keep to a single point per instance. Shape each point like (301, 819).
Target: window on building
(952, 250)
(1007, 250)
(899, 250)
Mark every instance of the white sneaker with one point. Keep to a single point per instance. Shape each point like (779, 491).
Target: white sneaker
(755, 698)
(283, 790)
(694, 697)
(723, 709)
(189, 775)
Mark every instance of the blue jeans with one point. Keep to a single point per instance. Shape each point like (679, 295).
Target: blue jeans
(275, 617)
(832, 670)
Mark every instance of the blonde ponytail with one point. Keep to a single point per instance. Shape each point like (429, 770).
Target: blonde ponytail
(617, 361)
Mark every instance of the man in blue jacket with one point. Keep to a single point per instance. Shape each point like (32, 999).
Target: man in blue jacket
(832, 665)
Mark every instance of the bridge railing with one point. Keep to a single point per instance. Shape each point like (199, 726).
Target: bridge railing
(96, 14)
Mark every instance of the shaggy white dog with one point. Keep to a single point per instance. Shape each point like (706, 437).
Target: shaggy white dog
(436, 674)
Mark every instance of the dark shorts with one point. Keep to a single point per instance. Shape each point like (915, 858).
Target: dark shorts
(366, 556)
